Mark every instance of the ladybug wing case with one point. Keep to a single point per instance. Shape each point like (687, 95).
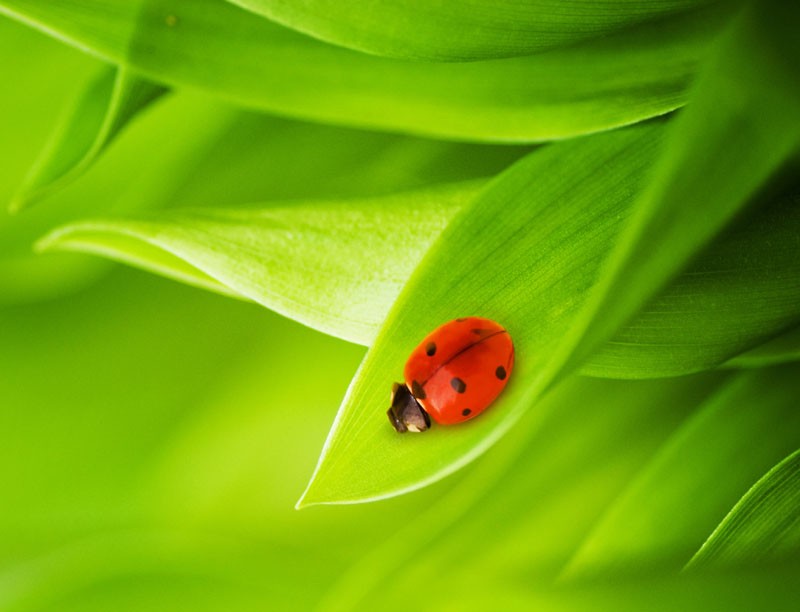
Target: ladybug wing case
(459, 368)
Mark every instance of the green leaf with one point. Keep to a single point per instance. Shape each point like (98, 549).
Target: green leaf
(785, 347)
(440, 30)
(738, 133)
(606, 82)
(542, 484)
(266, 254)
(40, 75)
(335, 266)
(750, 268)
(106, 105)
(707, 464)
(188, 150)
(761, 588)
(764, 524)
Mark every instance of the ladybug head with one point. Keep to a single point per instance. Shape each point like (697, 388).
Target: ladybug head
(405, 413)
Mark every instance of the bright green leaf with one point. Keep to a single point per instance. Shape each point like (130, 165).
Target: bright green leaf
(738, 133)
(439, 30)
(531, 254)
(742, 128)
(266, 254)
(610, 81)
(335, 266)
(751, 268)
(110, 101)
(764, 524)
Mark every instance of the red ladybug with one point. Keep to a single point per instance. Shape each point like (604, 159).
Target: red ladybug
(454, 374)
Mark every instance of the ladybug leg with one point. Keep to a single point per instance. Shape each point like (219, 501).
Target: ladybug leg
(405, 413)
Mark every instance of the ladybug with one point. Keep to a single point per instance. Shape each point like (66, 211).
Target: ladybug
(454, 374)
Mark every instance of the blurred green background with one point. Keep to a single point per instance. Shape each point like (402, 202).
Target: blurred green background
(155, 437)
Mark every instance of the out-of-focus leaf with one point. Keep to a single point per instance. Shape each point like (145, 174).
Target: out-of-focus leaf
(542, 484)
(765, 523)
(765, 588)
(129, 177)
(106, 476)
(435, 29)
(738, 133)
(111, 100)
(605, 82)
(335, 266)
(785, 347)
(39, 76)
(683, 491)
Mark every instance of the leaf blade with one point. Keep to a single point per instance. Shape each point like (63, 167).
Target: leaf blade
(608, 82)
(108, 103)
(457, 32)
(764, 523)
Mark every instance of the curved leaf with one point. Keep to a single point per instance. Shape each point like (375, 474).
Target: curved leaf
(110, 101)
(421, 29)
(516, 231)
(306, 261)
(542, 483)
(707, 464)
(267, 253)
(751, 269)
(40, 76)
(765, 523)
(610, 81)
(785, 347)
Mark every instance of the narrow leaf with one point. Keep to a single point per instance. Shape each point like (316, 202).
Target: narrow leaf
(765, 523)
(707, 464)
(109, 102)
(462, 30)
(785, 347)
(610, 81)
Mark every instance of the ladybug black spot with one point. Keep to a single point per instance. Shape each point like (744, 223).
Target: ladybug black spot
(459, 385)
(466, 412)
(461, 319)
(481, 332)
(500, 372)
(430, 349)
(417, 390)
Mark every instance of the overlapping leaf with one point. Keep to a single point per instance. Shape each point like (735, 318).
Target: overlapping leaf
(435, 29)
(702, 182)
(682, 492)
(112, 99)
(336, 267)
(764, 524)
(610, 81)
